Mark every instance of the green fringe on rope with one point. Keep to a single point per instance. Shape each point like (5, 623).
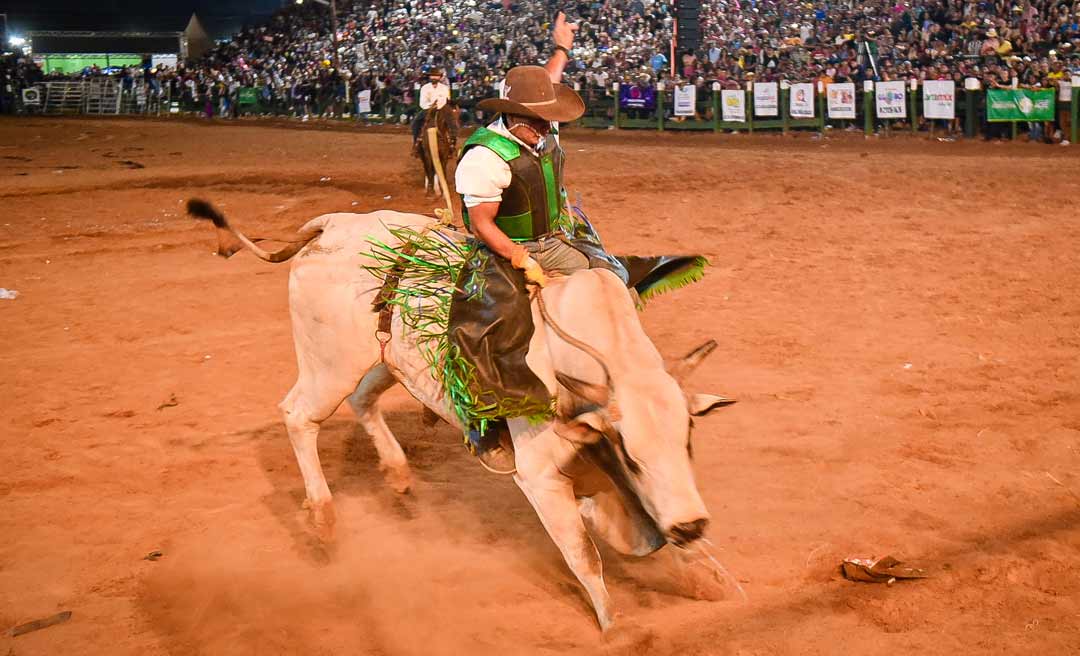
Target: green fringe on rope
(689, 274)
(422, 299)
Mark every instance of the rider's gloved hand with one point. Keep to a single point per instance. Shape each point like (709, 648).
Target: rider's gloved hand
(521, 259)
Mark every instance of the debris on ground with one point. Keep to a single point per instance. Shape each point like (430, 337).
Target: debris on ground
(8, 294)
(171, 403)
(41, 624)
(153, 555)
(881, 570)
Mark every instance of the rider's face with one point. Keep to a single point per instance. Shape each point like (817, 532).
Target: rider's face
(529, 130)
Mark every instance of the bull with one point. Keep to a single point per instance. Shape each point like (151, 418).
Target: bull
(615, 460)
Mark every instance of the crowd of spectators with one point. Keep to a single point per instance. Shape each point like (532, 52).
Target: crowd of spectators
(386, 46)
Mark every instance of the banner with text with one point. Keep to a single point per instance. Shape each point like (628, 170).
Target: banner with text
(891, 99)
(685, 99)
(1020, 105)
(363, 102)
(733, 105)
(841, 96)
(247, 96)
(766, 99)
(801, 100)
(631, 96)
(939, 99)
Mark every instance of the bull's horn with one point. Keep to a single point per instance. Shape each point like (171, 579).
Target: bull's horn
(682, 369)
(598, 395)
(702, 404)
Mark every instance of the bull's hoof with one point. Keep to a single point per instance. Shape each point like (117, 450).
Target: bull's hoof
(322, 518)
(623, 637)
(399, 478)
(695, 576)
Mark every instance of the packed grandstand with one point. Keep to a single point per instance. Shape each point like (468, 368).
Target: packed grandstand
(387, 46)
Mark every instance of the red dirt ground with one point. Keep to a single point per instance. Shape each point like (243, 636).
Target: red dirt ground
(899, 319)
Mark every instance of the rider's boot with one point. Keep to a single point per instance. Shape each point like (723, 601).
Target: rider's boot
(494, 447)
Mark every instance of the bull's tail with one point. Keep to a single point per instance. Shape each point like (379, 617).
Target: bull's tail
(231, 240)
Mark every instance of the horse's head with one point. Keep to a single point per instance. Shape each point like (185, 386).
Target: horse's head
(449, 122)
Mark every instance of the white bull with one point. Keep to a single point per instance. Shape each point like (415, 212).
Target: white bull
(618, 456)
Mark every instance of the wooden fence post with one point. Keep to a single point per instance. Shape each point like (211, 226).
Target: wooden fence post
(660, 106)
(868, 107)
(1074, 114)
(716, 106)
(749, 95)
(615, 89)
(785, 96)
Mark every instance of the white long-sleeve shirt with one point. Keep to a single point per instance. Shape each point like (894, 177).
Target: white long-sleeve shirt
(434, 94)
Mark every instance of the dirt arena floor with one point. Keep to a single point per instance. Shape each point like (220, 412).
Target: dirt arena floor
(899, 319)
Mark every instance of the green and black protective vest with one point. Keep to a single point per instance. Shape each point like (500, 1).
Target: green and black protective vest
(534, 204)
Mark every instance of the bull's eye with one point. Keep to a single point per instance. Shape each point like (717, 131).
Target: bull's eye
(690, 440)
(631, 464)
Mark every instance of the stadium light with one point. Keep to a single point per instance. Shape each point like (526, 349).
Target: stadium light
(17, 41)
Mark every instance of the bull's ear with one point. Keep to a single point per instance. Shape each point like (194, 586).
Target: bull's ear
(597, 395)
(681, 369)
(700, 405)
(586, 428)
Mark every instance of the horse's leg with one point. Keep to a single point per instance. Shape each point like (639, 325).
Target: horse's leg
(364, 402)
(539, 455)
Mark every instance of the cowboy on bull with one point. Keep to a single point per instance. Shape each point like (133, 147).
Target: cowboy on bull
(434, 94)
(510, 177)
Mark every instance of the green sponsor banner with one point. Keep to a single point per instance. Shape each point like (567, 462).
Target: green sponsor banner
(247, 96)
(1019, 105)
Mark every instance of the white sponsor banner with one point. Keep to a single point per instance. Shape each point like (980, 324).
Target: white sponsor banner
(801, 100)
(766, 99)
(939, 99)
(891, 97)
(685, 99)
(841, 97)
(733, 105)
(157, 61)
(1065, 88)
(363, 102)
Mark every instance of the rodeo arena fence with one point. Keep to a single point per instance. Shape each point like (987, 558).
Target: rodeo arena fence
(943, 107)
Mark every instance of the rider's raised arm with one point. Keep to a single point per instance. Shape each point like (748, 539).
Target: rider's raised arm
(563, 36)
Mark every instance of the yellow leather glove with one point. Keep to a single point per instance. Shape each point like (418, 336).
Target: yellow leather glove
(521, 259)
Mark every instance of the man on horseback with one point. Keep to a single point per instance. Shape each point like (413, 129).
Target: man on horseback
(434, 94)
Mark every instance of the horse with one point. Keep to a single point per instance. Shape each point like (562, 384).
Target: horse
(446, 121)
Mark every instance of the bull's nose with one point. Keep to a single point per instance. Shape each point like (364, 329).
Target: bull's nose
(686, 532)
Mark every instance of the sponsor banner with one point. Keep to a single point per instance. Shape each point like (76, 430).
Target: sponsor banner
(939, 99)
(801, 100)
(841, 96)
(685, 99)
(247, 96)
(891, 99)
(1065, 88)
(733, 105)
(157, 61)
(31, 96)
(631, 96)
(1020, 104)
(363, 102)
(766, 99)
